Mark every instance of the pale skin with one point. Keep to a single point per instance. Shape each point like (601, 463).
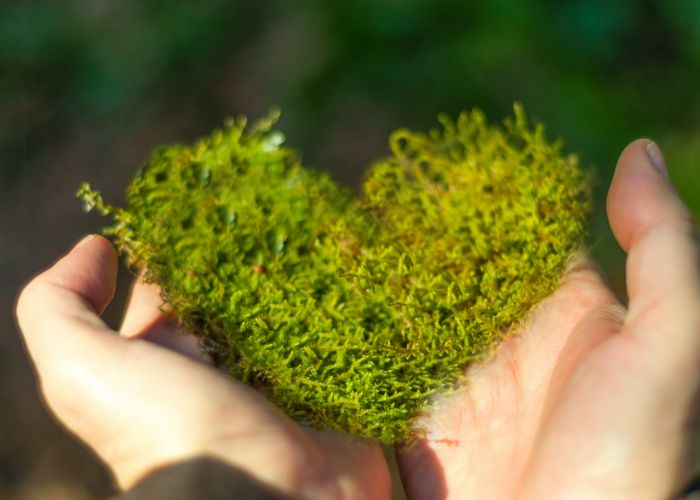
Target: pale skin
(589, 399)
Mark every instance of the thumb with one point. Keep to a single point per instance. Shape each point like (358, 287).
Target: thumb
(137, 405)
(66, 300)
(658, 233)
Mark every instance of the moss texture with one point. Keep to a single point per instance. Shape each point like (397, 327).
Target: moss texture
(349, 313)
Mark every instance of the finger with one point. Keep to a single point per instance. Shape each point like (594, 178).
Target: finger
(657, 231)
(147, 317)
(68, 298)
(144, 310)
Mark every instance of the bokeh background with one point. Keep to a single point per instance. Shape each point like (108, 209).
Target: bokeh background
(89, 88)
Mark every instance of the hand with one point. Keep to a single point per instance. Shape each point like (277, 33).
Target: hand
(590, 399)
(145, 398)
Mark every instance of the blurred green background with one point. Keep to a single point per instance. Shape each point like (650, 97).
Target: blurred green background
(88, 89)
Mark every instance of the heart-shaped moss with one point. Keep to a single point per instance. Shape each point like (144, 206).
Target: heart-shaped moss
(350, 313)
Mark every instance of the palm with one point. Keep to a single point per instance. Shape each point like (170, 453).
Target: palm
(547, 416)
(146, 397)
(489, 429)
(228, 420)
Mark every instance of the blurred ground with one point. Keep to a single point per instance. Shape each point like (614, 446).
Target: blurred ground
(88, 89)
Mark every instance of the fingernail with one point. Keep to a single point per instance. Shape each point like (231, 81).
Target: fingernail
(84, 241)
(657, 158)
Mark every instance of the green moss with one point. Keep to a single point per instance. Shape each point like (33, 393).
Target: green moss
(350, 313)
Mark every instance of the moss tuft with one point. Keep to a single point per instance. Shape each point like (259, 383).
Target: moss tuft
(350, 313)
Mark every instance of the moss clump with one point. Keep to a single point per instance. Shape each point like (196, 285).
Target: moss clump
(349, 313)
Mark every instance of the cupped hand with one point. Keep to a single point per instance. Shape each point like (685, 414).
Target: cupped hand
(589, 399)
(146, 397)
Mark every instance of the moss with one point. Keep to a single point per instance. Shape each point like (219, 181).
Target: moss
(350, 313)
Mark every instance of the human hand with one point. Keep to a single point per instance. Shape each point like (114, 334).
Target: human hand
(589, 399)
(145, 398)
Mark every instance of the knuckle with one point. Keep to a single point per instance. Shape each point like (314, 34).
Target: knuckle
(32, 295)
(27, 297)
